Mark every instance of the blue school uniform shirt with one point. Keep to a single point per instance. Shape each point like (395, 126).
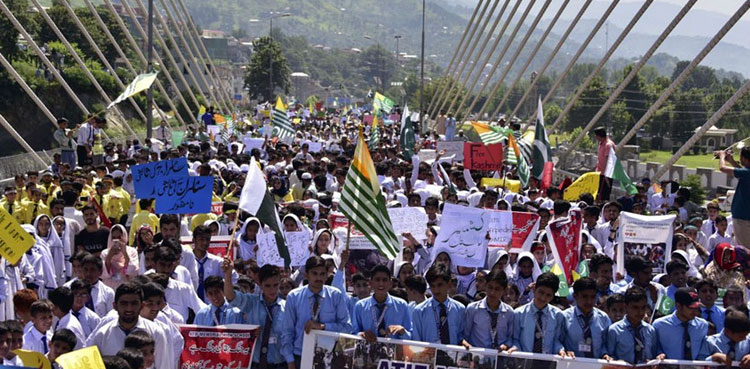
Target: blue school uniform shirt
(255, 310)
(670, 333)
(621, 341)
(524, 328)
(366, 316)
(573, 331)
(425, 319)
(478, 326)
(671, 289)
(227, 315)
(720, 343)
(333, 312)
(716, 315)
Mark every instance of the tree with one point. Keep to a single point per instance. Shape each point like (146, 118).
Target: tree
(8, 34)
(700, 77)
(257, 77)
(378, 64)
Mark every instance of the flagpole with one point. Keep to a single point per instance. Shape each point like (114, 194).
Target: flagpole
(229, 253)
(348, 235)
(421, 78)
(149, 68)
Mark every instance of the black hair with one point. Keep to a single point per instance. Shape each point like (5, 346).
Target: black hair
(164, 253)
(438, 271)
(128, 288)
(706, 283)
(93, 259)
(561, 207)
(635, 294)
(313, 262)
(201, 230)
(66, 336)
(115, 362)
(431, 201)
(13, 326)
(133, 356)
(736, 321)
(62, 297)
(214, 281)
(145, 203)
(173, 244)
(592, 211)
(380, 268)
(40, 307)
(152, 289)
(138, 339)
(598, 260)
(169, 219)
(600, 131)
(499, 277)
(268, 271)
(358, 277)
(3, 328)
(584, 284)
(463, 299)
(548, 280)
(674, 265)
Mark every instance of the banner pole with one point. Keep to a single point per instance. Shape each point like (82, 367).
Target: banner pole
(230, 255)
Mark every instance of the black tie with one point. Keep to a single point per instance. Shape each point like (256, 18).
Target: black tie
(686, 353)
(10, 209)
(493, 328)
(713, 227)
(381, 321)
(638, 344)
(76, 314)
(445, 336)
(217, 314)
(730, 352)
(90, 304)
(708, 315)
(316, 308)
(538, 333)
(587, 337)
(266, 336)
(44, 342)
(201, 290)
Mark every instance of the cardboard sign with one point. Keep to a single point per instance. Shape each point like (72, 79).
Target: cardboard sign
(144, 175)
(177, 137)
(463, 232)
(478, 156)
(183, 195)
(85, 358)
(427, 155)
(409, 220)
(224, 346)
(253, 143)
(298, 245)
(452, 148)
(14, 240)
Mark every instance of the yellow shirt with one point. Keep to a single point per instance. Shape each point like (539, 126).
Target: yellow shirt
(143, 218)
(124, 198)
(34, 209)
(18, 212)
(199, 219)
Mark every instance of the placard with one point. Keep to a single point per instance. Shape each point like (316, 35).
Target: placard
(183, 195)
(253, 143)
(427, 155)
(268, 251)
(452, 148)
(298, 244)
(315, 146)
(85, 358)
(224, 346)
(144, 175)
(501, 228)
(14, 240)
(217, 246)
(649, 236)
(463, 235)
(478, 156)
(177, 137)
(411, 219)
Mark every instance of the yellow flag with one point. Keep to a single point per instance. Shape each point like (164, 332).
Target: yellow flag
(202, 110)
(279, 104)
(588, 182)
(511, 185)
(374, 121)
(86, 358)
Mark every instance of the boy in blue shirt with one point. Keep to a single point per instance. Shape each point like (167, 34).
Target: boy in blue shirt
(538, 326)
(489, 322)
(218, 312)
(381, 315)
(731, 344)
(265, 309)
(708, 293)
(440, 319)
(682, 335)
(677, 271)
(631, 339)
(315, 306)
(585, 329)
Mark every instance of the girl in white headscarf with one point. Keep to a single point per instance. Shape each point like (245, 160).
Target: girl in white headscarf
(45, 230)
(247, 238)
(525, 275)
(683, 255)
(499, 259)
(220, 230)
(324, 242)
(298, 226)
(41, 260)
(120, 261)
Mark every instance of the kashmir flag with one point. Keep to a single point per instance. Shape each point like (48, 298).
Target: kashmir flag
(140, 83)
(364, 205)
(381, 102)
(487, 134)
(522, 167)
(564, 237)
(283, 129)
(615, 171)
(228, 129)
(263, 206)
(542, 152)
(374, 133)
(406, 136)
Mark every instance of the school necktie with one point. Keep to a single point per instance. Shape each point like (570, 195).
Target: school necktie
(730, 352)
(201, 291)
(10, 209)
(708, 316)
(686, 353)
(33, 212)
(217, 314)
(90, 304)
(44, 343)
(638, 344)
(381, 322)
(538, 333)
(316, 307)
(587, 337)
(75, 313)
(266, 336)
(493, 328)
(445, 336)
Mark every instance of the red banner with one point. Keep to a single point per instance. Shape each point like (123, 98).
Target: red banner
(479, 156)
(525, 227)
(218, 245)
(217, 347)
(565, 236)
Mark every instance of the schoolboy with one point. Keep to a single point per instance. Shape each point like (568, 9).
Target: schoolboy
(538, 326)
(63, 341)
(585, 326)
(381, 315)
(37, 338)
(218, 312)
(708, 293)
(682, 335)
(631, 339)
(439, 319)
(488, 323)
(731, 343)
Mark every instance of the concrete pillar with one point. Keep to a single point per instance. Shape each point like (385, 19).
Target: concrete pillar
(706, 176)
(677, 172)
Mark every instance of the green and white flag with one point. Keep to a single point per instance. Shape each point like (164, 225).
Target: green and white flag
(381, 102)
(283, 127)
(665, 305)
(140, 83)
(615, 171)
(406, 136)
(541, 150)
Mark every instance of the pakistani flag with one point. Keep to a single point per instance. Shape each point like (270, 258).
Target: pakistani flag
(283, 129)
(615, 171)
(521, 165)
(140, 83)
(665, 305)
(364, 205)
(563, 289)
(262, 206)
(542, 152)
(406, 136)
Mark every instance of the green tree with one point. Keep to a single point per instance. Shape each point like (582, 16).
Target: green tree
(257, 77)
(588, 104)
(8, 34)
(378, 65)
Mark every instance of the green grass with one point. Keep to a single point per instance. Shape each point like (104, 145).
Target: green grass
(690, 161)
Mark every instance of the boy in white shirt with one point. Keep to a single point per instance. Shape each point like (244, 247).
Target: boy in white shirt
(39, 336)
(62, 302)
(721, 235)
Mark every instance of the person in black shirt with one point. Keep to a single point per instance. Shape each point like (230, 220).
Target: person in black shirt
(93, 238)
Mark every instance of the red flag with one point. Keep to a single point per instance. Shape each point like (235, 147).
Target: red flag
(564, 237)
(565, 183)
(546, 179)
(102, 216)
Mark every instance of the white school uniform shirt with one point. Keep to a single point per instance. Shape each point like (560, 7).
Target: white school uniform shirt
(180, 274)
(182, 297)
(110, 338)
(187, 259)
(102, 297)
(68, 321)
(88, 319)
(32, 340)
(176, 342)
(212, 266)
(172, 315)
(716, 239)
(16, 360)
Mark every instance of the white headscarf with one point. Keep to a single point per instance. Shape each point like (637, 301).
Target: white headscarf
(301, 227)
(692, 271)
(247, 250)
(222, 228)
(44, 264)
(331, 245)
(55, 244)
(536, 272)
(494, 254)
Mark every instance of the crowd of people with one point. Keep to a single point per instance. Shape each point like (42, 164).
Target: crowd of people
(106, 270)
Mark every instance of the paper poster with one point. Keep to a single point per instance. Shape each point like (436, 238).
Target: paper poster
(315, 146)
(298, 244)
(144, 175)
(501, 228)
(463, 235)
(427, 155)
(183, 195)
(253, 143)
(647, 236)
(586, 183)
(452, 148)
(215, 129)
(225, 346)
(478, 156)
(14, 240)
(268, 251)
(509, 184)
(267, 130)
(412, 220)
(85, 358)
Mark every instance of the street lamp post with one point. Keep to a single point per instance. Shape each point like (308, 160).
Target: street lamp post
(421, 76)
(270, 58)
(398, 38)
(149, 69)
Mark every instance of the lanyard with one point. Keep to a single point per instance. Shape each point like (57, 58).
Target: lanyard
(269, 312)
(493, 327)
(315, 312)
(639, 346)
(379, 319)
(221, 313)
(585, 325)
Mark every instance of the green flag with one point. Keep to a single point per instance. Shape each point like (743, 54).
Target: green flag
(406, 137)
(665, 306)
(615, 171)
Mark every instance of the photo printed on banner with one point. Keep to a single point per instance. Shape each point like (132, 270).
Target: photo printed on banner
(508, 362)
(416, 355)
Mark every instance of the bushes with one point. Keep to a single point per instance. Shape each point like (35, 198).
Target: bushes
(697, 192)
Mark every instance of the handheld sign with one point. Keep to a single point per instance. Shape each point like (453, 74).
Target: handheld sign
(88, 357)
(14, 240)
(478, 156)
(145, 175)
(183, 195)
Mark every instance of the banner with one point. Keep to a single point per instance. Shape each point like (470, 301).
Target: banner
(268, 250)
(183, 195)
(217, 246)
(330, 350)
(427, 155)
(586, 183)
(452, 148)
(14, 241)
(85, 358)
(525, 227)
(501, 228)
(144, 175)
(140, 83)
(224, 346)
(252, 143)
(298, 244)
(511, 185)
(649, 236)
(564, 237)
(463, 235)
(478, 156)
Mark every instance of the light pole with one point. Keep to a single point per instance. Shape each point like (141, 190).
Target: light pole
(421, 75)
(398, 38)
(270, 57)
(149, 69)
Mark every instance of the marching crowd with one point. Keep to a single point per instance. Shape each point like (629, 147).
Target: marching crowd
(106, 270)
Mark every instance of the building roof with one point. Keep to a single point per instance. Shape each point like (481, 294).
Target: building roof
(718, 132)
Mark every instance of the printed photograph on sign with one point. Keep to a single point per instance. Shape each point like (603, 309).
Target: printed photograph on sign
(508, 362)
(416, 354)
(448, 359)
(653, 252)
(368, 355)
(333, 353)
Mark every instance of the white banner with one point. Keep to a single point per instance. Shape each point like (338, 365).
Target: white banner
(452, 148)
(649, 236)
(463, 235)
(412, 220)
(501, 228)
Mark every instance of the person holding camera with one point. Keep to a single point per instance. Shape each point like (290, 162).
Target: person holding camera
(741, 202)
